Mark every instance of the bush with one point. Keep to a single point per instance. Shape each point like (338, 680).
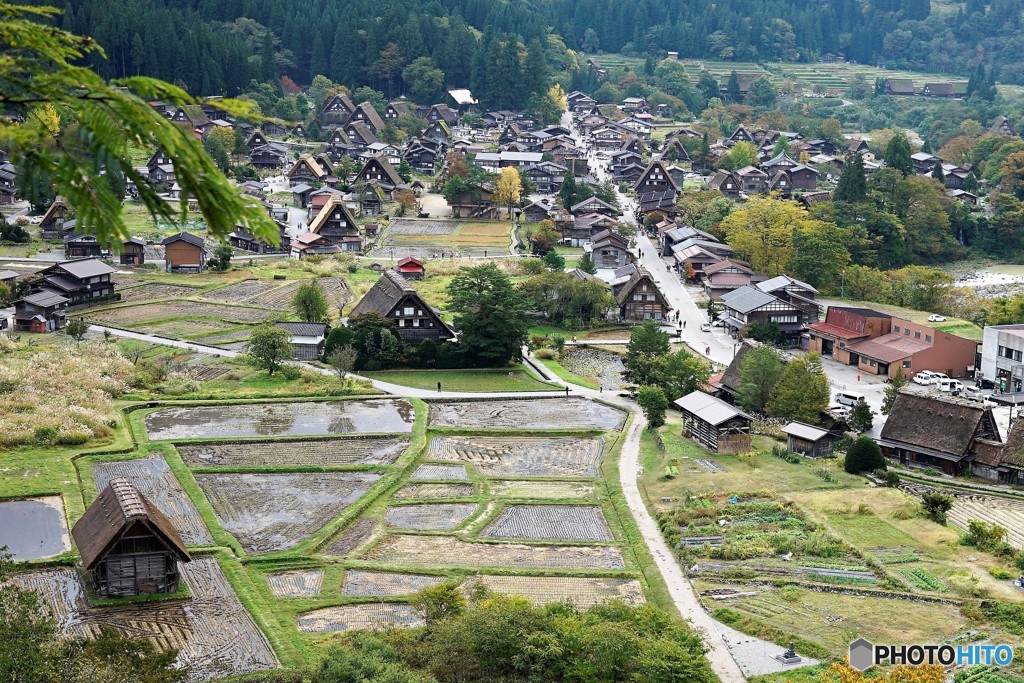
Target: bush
(546, 354)
(892, 480)
(1000, 573)
(1018, 561)
(654, 404)
(863, 456)
(531, 266)
(935, 505)
(983, 536)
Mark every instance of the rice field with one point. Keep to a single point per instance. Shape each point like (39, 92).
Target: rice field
(355, 535)
(422, 491)
(541, 489)
(140, 315)
(522, 456)
(296, 584)
(535, 413)
(429, 516)
(373, 584)
(313, 452)
(550, 523)
(375, 616)
(404, 549)
(440, 472)
(582, 592)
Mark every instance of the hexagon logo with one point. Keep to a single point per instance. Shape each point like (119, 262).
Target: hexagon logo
(862, 654)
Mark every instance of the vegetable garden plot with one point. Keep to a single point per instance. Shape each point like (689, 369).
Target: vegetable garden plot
(580, 591)
(351, 538)
(214, 635)
(522, 456)
(154, 479)
(296, 584)
(441, 472)
(241, 292)
(137, 316)
(541, 489)
(550, 523)
(435, 491)
(386, 584)
(542, 413)
(268, 512)
(306, 418)
(429, 516)
(375, 616)
(448, 551)
(35, 528)
(314, 452)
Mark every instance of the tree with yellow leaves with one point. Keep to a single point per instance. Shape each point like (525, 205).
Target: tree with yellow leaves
(508, 188)
(762, 232)
(926, 673)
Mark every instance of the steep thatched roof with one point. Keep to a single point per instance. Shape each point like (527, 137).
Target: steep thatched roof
(937, 423)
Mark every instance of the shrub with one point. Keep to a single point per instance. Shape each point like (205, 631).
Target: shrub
(531, 266)
(987, 537)
(791, 593)
(935, 505)
(1018, 561)
(546, 354)
(892, 479)
(864, 455)
(843, 443)
(1000, 573)
(654, 404)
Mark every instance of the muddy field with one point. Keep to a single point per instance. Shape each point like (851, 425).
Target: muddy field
(277, 295)
(582, 592)
(154, 479)
(154, 290)
(280, 419)
(541, 489)
(214, 634)
(386, 584)
(440, 472)
(268, 512)
(134, 316)
(554, 413)
(435, 491)
(314, 452)
(296, 584)
(429, 516)
(448, 551)
(373, 616)
(550, 523)
(522, 456)
(35, 528)
(351, 538)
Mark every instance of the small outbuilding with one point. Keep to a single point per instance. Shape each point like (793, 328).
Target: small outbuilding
(808, 440)
(714, 424)
(307, 339)
(127, 545)
(411, 268)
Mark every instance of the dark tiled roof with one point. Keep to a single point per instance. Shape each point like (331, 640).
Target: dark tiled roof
(942, 424)
(304, 329)
(194, 240)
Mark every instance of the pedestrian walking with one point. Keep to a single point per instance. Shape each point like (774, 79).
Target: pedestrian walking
(439, 387)
(707, 350)
(684, 324)
(566, 391)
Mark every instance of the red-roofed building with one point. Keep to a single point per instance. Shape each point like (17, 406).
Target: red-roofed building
(411, 268)
(844, 326)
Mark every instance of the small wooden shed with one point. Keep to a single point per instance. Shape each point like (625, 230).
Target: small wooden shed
(127, 545)
(714, 424)
(808, 440)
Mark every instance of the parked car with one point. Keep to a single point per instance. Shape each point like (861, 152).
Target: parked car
(705, 327)
(936, 318)
(839, 411)
(848, 398)
(953, 386)
(925, 377)
(718, 323)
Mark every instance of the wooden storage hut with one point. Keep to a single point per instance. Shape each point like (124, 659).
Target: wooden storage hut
(714, 424)
(808, 440)
(127, 545)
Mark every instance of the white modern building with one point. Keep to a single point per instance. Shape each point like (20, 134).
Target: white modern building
(1002, 355)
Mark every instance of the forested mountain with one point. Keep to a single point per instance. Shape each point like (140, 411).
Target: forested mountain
(218, 46)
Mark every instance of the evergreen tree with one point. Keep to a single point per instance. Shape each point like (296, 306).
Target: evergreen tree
(802, 390)
(708, 85)
(897, 154)
(938, 173)
(733, 88)
(760, 369)
(892, 390)
(853, 182)
(490, 314)
(586, 264)
(535, 69)
(861, 416)
(567, 193)
(864, 456)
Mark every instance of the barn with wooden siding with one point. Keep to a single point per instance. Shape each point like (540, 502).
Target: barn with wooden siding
(714, 424)
(805, 439)
(127, 545)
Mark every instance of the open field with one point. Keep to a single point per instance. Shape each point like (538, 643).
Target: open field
(212, 631)
(435, 491)
(349, 540)
(138, 316)
(574, 412)
(150, 291)
(268, 512)
(154, 479)
(517, 378)
(582, 592)
(521, 456)
(373, 616)
(312, 452)
(310, 418)
(440, 472)
(433, 236)
(385, 584)
(541, 489)
(429, 516)
(296, 584)
(278, 295)
(550, 523)
(447, 551)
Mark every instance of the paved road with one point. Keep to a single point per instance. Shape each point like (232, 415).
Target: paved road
(680, 589)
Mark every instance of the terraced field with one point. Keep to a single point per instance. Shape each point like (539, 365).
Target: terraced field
(435, 491)
(447, 551)
(296, 584)
(142, 314)
(429, 516)
(440, 472)
(550, 523)
(580, 591)
(522, 456)
(268, 512)
(372, 616)
(1007, 513)
(345, 543)
(154, 479)
(154, 290)
(313, 452)
(277, 295)
(553, 413)
(541, 489)
(385, 584)
(212, 631)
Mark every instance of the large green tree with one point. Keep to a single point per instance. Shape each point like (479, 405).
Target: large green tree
(897, 154)
(490, 314)
(269, 348)
(853, 183)
(802, 390)
(759, 371)
(310, 303)
(78, 128)
(648, 345)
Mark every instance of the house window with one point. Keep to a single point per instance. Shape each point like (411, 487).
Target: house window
(873, 363)
(407, 310)
(927, 337)
(416, 322)
(638, 297)
(917, 335)
(906, 363)
(896, 328)
(906, 332)
(842, 345)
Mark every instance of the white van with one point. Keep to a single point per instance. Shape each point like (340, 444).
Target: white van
(849, 398)
(953, 386)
